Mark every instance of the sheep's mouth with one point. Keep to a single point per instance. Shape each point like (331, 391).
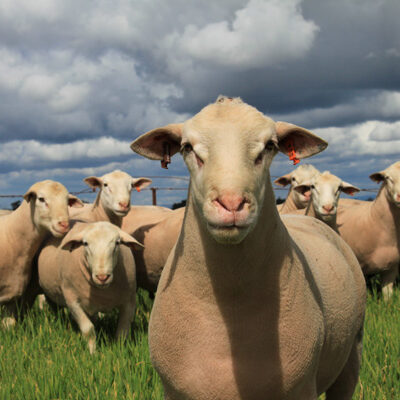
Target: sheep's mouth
(227, 226)
(58, 234)
(121, 213)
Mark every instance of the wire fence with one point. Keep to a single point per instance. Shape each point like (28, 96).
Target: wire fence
(155, 189)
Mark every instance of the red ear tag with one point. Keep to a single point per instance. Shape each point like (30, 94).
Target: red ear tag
(137, 189)
(292, 152)
(167, 156)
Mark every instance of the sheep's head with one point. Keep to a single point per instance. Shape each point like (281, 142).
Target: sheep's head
(228, 148)
(302, 175)
(49, 203)
(391, 179)
(325, 191)
(100, 242)
(115, 190)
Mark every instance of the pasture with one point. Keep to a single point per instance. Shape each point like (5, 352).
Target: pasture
(45, 357)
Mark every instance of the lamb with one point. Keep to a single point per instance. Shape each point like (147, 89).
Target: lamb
(250, 305)
(295, 200)
(325, 190)
(372, 229)
(43, 211)
(89, 272)
(113, 201)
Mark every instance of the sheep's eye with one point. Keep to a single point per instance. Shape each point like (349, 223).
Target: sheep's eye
(312, 186)
(118, 242)
(85, 244)
(293, 179)
(259, 158)
(41, 199)
(105, 184)
(187, 148)
(270, 145)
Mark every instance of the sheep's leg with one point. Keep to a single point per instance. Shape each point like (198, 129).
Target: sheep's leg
(126, 315)
(345, 384)
(41, 301)
(10, 311)
(388, 280)
(85, 325)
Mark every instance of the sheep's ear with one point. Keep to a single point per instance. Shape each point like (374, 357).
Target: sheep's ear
(283, 180)
(348, 188)
(130, 241)
(152, 144)
(302, 141)
(29, 195)
(140, 183)
(73, 201)
(377, 177)
(302, 189)
(93, 181)
(74, 238)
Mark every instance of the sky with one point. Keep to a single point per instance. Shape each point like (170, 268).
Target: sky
(80, 80)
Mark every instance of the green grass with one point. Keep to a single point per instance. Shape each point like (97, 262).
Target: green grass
(44, 357)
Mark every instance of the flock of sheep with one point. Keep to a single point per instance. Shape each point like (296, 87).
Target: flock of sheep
(251, 303)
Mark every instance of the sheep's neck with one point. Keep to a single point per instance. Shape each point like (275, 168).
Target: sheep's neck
(26, 237)
(385, 213)
(229, 269)
(289, 204)
(102, 214)
(310, 212)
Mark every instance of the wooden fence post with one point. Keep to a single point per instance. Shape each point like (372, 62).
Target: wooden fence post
(154, 195)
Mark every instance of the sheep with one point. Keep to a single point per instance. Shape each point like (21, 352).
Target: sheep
(5, 212)
(250, 304)
(113, 201)
(372, 229)
(325, 190)
(302, 175)
(43, 211)
(89, 272)
(158, 239)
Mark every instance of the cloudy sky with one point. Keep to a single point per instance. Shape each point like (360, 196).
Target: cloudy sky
(80, 80)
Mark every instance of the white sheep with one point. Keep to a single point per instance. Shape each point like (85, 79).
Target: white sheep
(43, 211)
(158, 239)
(249, 305)
(372, 228)
(113, 201)
(90, 270)
(325, 190)
(296, 200)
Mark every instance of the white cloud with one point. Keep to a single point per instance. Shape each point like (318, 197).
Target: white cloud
(263, 33)
(31, 151)
(376, 138)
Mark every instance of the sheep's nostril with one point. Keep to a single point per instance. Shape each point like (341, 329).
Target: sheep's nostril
(328, 207)
(123, 205)
(231, 203)
(103, 277)
(64, 225)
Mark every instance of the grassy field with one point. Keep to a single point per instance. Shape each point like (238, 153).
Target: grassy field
(45, 357)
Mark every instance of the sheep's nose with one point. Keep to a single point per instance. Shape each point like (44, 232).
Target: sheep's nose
(64, 225)
(103, 277)
(307, 194)
(328, 207)
(231, 203)
(398, 197)
(124, 205)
